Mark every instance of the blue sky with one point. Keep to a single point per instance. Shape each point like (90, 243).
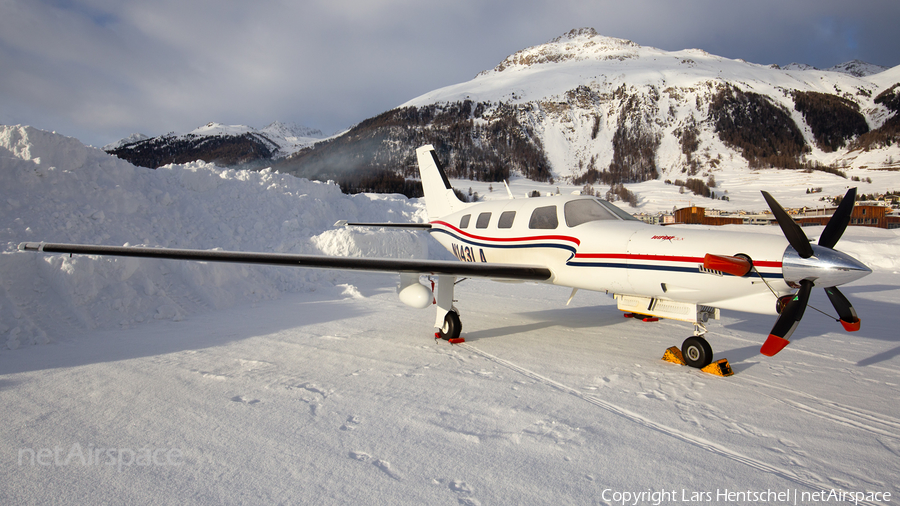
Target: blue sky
(100, 70)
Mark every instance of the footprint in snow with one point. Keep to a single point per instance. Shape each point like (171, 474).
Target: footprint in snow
(238, 398)
(460, 486)
(351, 423)
(383, 465)
(462, 489)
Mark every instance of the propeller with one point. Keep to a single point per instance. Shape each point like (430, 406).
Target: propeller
(810, 265)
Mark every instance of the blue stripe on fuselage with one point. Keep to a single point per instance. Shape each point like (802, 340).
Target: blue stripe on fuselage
(466, 240)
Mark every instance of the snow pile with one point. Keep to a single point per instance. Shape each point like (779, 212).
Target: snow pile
(55, 189)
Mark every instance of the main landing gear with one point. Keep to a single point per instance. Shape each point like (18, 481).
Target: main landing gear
(451, 328)
(447, 320)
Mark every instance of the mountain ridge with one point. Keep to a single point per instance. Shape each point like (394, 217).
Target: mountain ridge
(585, 107)
(226, 145)
(592, 108)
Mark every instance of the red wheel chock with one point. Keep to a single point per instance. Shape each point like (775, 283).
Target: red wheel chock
(458, 340)
(642, 317)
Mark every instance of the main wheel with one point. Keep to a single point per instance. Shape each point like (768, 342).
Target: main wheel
(452, 326)
(696, 352)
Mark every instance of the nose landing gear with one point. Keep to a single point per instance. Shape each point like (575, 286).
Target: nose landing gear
(696, 352)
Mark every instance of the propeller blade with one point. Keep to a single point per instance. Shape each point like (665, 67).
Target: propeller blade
(839, 221)
(787, 321)
(789, 227)
(844, 309)
(736, 266)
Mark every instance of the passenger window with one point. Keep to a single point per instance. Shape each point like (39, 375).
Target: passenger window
(585, 210)
(483, 220)
(544, 218)
(464, 222)
(506, 219)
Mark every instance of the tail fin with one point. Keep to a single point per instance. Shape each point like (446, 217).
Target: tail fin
(439, 197)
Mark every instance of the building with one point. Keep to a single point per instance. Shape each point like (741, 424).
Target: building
(695, 215)
(864, 214)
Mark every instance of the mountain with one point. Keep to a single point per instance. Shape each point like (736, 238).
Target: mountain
(858, 68)
(854, 68)
(588, 108)
(131, 139)
(225, 145)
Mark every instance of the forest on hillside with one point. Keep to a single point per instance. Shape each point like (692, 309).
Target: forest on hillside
(223, 150)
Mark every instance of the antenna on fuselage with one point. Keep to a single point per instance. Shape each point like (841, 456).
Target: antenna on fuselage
(508, 192)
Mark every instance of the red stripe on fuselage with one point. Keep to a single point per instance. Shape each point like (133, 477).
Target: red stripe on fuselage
(660, 258)
(596, 256)
(510, 239)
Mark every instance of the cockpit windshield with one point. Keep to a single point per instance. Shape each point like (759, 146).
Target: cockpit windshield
(583, 211)
(617, 210)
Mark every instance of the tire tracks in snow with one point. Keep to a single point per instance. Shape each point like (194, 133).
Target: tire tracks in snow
(698, 442)
(857, 418)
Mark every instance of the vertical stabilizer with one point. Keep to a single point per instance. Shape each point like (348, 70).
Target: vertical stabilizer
(439, 197)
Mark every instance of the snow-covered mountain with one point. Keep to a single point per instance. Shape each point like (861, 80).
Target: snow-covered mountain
(226, 145)
(131, 139)
(584, 107)
(858, 68)
(855, 68)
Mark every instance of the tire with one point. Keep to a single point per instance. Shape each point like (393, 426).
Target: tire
(696, 352)
(452, 326)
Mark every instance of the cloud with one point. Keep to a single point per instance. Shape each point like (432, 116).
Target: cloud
(106, 68)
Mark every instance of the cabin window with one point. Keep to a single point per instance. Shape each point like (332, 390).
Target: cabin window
(544, 218)
(506, 219)
(483, 220)
(582, 211)
(464, 222)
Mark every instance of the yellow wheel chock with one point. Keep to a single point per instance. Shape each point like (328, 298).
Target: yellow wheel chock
(717, 368)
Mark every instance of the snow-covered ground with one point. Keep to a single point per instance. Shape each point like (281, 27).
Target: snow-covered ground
(143, 381)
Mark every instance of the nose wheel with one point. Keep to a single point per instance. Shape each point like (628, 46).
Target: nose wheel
(696, 352)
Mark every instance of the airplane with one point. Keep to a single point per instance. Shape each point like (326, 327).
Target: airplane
(585, 243)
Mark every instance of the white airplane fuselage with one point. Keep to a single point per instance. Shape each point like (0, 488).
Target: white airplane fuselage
(615, 254)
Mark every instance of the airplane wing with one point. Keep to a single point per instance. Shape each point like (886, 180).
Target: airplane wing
(435, 267)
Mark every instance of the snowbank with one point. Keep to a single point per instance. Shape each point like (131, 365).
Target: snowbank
(55, 189)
